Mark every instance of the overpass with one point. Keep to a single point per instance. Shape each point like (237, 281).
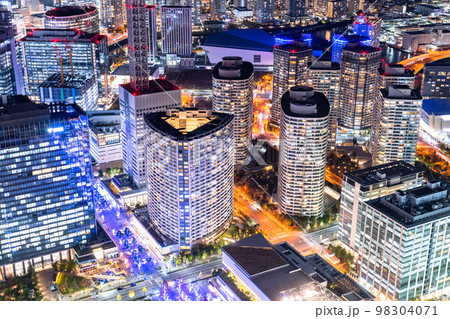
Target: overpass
(417, 63)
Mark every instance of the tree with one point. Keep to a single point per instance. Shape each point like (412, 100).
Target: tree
(72, 265)
(100, 173)
(108, 171)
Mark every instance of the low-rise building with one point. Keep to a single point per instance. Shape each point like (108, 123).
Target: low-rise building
(67, 88)
(104, 135)
(435, 119)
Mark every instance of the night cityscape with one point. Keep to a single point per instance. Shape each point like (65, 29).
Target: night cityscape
(218, 150)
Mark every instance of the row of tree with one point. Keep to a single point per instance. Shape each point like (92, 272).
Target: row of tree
(65, 265)
(345, 257)
(21, 288)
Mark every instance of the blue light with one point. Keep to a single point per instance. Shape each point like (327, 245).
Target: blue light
(55, 129)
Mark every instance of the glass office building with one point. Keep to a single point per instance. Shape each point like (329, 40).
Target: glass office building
(405, 240)
(46, 183)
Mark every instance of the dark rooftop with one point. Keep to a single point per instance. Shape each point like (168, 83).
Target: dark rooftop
(246, 71)
(443, 62)
(158, 123)
(255, 260)
(369, 176)
(323, 106)
(437, 107)
(359, 48)
(294, 47)
(156, 86)
(68, 11)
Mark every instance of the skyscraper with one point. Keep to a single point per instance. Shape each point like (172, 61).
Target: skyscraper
(46, 182)
(265, 11)
(303, 150)
(176, 30)
(396, 125)
(368, 27)
(138, 47)
(340, 41)
(405, 238)
(218, 8)
(41, 51)
(112, 13)
(152, 35)
(324, 77)
(159, 96)
(366, 184)
(6, 65)
(190, 176)
(233, 94)
(141, 96)
(290, 62)
(83, 18)
(359, 67)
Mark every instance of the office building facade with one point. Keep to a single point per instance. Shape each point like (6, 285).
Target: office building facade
(303, 150)
(370, 183)
(290, 63)
(65, 88)
(324, 77)
(396, 124)
(265, 11)
(405, 239)
(233, 94)
(41, 49)
(436, 79)
(176, 30)
(159, 96)
(46, 182)
(6, 65)
(190, 175)
(359, 67)
(104, 135)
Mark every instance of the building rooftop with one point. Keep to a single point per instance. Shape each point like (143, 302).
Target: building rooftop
(59, 35)
(442, 62)
(244, 39)
(351, 38)
(237, 71)
(124, 70)
(304, 102)
(20, 108)
(155, 86)
(324, 65)
(359, 48)
(381, 173)
(395, 70)
(69, 11)
(400, 92)
(438, 107)
(275, 275)
(293, 47)
(416, 206)
(166, 123)
(77, 81)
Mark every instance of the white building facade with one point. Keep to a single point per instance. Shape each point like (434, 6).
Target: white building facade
(303, 149)
(190, 174)
(233, 94)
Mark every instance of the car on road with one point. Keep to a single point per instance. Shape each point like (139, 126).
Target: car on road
(133, 284)
(119, 288)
